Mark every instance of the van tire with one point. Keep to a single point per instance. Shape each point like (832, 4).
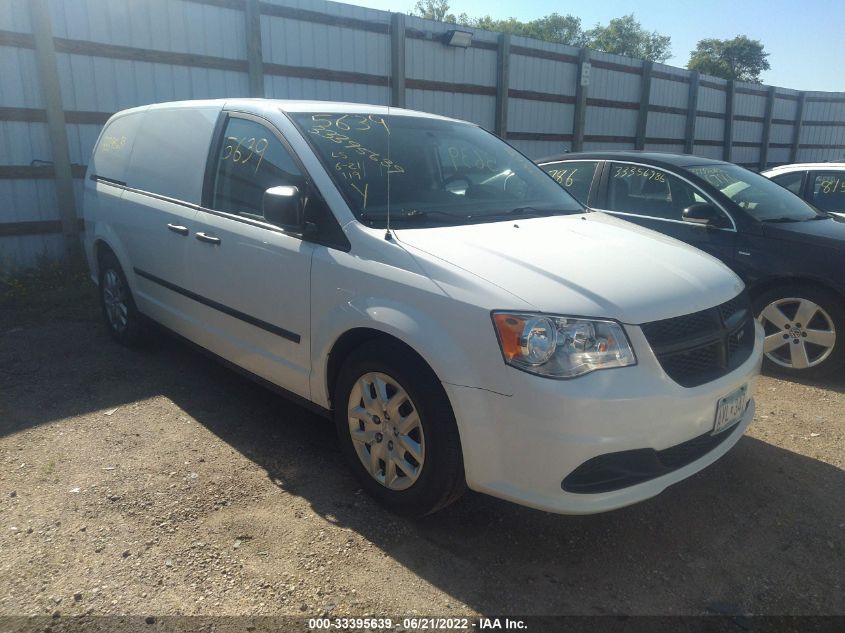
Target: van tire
(829, 317)
(440, 476)
(123, 321)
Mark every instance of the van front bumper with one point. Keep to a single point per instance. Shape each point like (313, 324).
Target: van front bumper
(522, 447)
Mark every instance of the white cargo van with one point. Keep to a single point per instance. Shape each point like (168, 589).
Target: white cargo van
(461, 317)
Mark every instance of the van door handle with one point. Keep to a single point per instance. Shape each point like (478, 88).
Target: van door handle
(178, 228)
(205, 237)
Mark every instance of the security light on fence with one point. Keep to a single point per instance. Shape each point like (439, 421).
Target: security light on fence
(462, 39)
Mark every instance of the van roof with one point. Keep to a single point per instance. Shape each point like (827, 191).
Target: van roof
(290, 105)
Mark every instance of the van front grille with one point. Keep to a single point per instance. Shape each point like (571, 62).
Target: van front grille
(697, 348)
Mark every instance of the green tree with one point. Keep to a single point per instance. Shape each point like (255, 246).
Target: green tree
(562, 29)
(740, 58)
(433, 10)
(626, 36)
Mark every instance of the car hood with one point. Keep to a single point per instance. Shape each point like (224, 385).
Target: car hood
(584, 265)
(819, 233)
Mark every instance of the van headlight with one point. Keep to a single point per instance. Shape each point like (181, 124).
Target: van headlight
(561, 346)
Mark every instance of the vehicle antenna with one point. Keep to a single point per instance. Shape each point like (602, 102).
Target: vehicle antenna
(387, 234)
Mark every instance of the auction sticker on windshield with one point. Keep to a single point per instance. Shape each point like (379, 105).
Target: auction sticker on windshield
(729, 409)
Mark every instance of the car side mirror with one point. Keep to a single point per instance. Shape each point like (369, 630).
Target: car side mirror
(283, 207)
(703, 213)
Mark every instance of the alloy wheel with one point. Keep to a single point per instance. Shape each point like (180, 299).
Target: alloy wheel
(115, 300)
(799, 333)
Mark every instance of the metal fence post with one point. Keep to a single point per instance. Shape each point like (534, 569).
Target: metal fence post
(581, 90)
(252, 20)
(796, 131)
(692, 112)
(503, 63)
(767, 128)
(645, 101)
(48, 79)
(397, 60)
(727, 150)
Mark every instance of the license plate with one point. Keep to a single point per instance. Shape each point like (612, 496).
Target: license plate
(729, 410)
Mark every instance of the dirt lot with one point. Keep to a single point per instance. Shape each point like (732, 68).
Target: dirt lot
(160, 482)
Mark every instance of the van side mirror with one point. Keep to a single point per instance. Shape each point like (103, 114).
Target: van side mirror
(283, 207)
(704, 214)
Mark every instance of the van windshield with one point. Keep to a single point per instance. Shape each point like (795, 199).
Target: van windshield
(432, 172)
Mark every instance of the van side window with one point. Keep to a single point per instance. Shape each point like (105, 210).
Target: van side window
(251, 160)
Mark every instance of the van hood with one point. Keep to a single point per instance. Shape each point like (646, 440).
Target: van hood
(591, 265)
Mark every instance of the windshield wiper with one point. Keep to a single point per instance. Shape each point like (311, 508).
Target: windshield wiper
(412, 216)
(525, 212)
(782, 220)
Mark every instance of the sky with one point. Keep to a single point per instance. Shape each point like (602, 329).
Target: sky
(805, 39)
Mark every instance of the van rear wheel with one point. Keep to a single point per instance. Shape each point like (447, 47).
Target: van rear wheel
(122, 318)
(397, 429)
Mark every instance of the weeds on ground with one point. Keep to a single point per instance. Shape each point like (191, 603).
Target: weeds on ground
(50, 289)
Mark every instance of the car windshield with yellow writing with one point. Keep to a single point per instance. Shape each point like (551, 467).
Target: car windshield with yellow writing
(430, 171)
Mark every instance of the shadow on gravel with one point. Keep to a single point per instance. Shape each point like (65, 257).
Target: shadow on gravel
(761, 531)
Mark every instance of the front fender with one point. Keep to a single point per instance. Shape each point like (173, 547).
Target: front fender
(473, 361)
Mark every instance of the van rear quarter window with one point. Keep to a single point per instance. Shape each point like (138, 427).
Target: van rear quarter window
(170, 152)
(111, 157)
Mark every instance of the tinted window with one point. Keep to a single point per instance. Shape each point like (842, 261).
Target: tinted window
(791, 181)
(758, 196)
(428, 171)
(575, 177)
(829, 191)
(251, 160)
(649, 191)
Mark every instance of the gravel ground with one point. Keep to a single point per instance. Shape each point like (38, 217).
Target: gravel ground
(160, 482)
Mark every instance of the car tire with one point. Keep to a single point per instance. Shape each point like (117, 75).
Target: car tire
(406, 451)
(805, 331)
(120, 314)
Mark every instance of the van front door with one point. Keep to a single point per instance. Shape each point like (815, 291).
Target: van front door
(250, 279)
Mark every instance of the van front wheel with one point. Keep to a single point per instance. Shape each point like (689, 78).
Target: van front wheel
(398, 430)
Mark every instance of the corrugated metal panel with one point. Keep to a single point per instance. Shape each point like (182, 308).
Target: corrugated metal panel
(746, 155)
(708, 151)
(435, 61)
(14, 16)
(618, 86)
(299, 43)
(748, 132)
(540, 116)
(610, 121)
(167, 25)
(476, 108)
(709, 129)
(711, 99)
(781, 133)
(542, 75)
(669, 93)
(785, 108)
(749, 105)
(540, 149)
(598, 146)
(665, 125)
(19, 78)
(295, 88)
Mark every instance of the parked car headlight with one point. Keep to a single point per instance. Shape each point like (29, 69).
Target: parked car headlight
(561, 346)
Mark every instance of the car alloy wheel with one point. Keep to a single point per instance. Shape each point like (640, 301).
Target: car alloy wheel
(115, 300)
(386, 431)
(800, 334)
